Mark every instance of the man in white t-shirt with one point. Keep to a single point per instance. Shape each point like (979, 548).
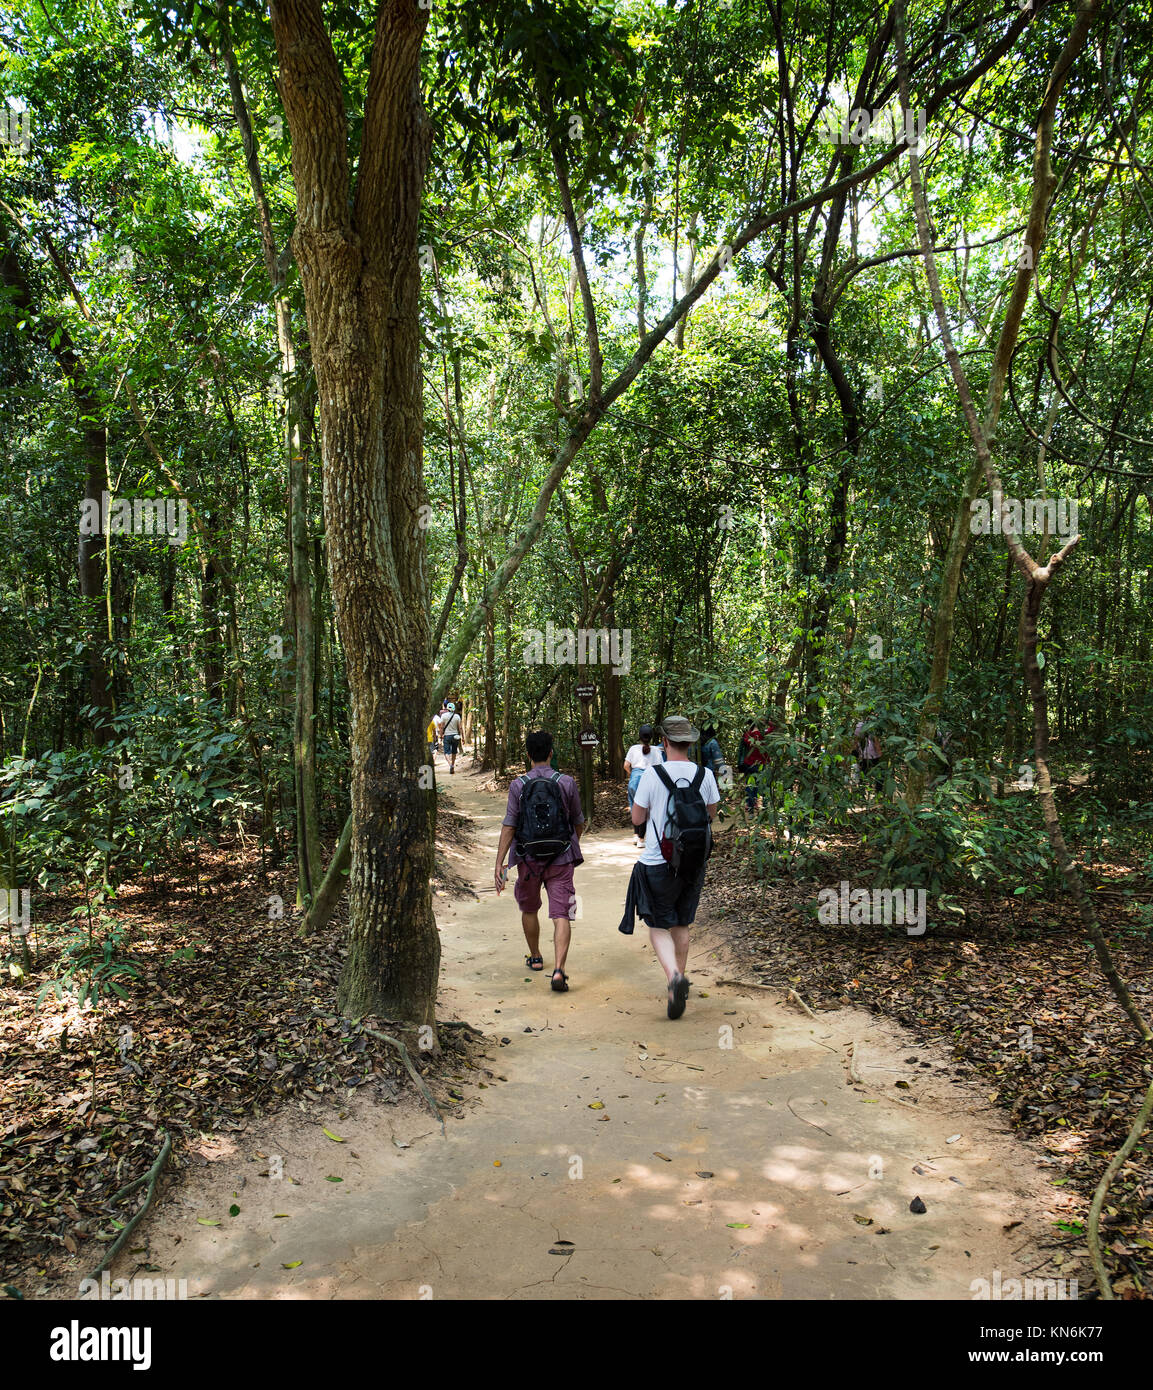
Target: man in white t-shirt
(666, 900)
(450, 731)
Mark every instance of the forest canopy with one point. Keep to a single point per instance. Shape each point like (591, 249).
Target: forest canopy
(762, 361)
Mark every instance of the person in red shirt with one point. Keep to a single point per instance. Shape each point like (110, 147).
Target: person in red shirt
(753, 760)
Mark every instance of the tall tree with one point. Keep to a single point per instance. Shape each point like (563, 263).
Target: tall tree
(356, 245)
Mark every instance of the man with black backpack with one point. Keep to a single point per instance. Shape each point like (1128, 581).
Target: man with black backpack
(541, 835)
(674, 808)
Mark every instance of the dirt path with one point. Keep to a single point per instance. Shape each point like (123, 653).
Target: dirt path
(727, 1155)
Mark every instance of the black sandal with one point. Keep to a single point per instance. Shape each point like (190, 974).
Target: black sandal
(560, 989)
(680, 988)
(534, 962)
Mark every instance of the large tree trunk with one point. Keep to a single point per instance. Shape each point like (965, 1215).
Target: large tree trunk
(359, 269)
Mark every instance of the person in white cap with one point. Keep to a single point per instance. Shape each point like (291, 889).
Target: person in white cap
(673, 808)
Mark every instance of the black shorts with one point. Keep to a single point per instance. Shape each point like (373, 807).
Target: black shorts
(663, 900)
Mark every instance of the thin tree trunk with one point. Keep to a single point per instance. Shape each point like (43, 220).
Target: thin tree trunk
(90, 558)
(1037, 577)
(308, 853)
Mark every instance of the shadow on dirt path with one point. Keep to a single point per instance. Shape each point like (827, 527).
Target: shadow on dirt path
(619, 1155)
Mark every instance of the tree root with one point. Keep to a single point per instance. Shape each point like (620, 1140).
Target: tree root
(1093, 1232)
(150, 1178)
(459, 1023)
(417, 1079)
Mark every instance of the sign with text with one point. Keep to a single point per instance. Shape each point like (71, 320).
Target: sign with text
(588, 738)
(586, 692)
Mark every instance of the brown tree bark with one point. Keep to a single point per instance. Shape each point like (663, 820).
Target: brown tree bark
(357, 252)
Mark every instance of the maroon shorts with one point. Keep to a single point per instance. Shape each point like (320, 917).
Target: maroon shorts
(557, 878)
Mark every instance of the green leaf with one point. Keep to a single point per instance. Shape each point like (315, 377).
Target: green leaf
(234, 1210)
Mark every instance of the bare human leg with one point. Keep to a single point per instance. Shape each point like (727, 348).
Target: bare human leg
(530, 925)
(672, 950)
(663, 945)
(680, 936)
(561, 937)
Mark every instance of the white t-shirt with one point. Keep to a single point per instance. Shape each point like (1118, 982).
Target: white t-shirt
(637, 757)
(652, 795)
(451, 725)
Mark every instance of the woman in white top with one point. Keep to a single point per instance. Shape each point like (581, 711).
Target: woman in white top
(641, 755)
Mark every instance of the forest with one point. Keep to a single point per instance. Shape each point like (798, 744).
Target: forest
(779, 364)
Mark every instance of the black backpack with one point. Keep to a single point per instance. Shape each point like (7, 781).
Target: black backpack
(687, 839)
(542, 828)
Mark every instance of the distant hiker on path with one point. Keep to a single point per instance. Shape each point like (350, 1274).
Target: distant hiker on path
(674, 806)
(866, 749)
(541, 835)
(450, 729)
(640, 756)
(753, 761)
(711, 755)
